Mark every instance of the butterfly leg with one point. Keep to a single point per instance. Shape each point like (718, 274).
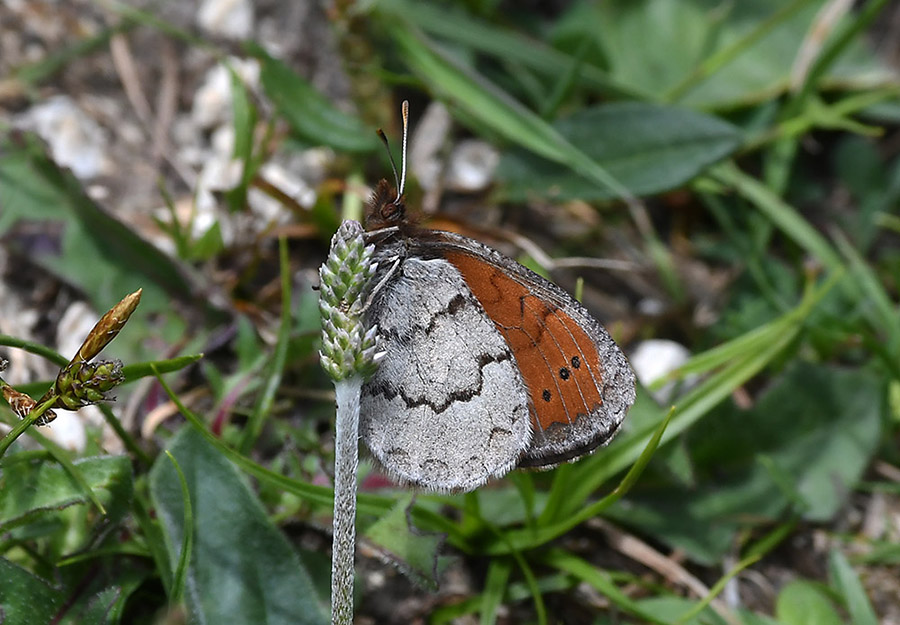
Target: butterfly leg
(384, 280)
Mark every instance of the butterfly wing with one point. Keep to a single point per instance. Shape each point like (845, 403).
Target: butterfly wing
(447, 408)
(579, 383)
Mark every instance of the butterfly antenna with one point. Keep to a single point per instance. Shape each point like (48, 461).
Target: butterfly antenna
(404, 111)
(399, 181)
(387, 147)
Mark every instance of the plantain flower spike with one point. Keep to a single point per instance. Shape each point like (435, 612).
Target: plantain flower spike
(348, 347)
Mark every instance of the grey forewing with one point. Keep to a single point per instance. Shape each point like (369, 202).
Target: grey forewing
(447, 408)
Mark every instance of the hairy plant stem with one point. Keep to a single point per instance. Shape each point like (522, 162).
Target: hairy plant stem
(346, 460)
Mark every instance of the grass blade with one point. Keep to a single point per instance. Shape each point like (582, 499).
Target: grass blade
(177, 589)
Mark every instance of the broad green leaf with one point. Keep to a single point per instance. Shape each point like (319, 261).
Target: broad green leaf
(647, 148)
(242, 569)
(416, 552)
(26, 599)
(80, 594)
(36, 485)
(757, 42)
(99, 253)
(309, 113)
(804, 603)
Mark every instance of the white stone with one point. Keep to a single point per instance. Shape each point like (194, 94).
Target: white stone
(212, 101)
(297, 175)
(654, 359)
(290, 184)
(472, 166)
(232, 19)
(221, 171)
(76, 141)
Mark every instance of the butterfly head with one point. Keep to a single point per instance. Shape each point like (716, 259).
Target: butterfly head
(386, 207)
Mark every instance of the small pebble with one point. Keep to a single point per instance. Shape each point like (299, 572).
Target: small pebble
(472, 166)
(656, 358)
(231, 19)
(76, 141)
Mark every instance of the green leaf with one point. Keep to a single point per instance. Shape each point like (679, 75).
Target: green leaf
(96, 595)
(242, 569)
(757, 43)
(781, 214)
(646, 147)
(25, 598)
(847, 583)
(804, 603)
(494, 109)
(817, 427)
(81, 593)
(309, 113)
(34, 486)
(771, 339)
(601, 581)
(495, 586)
(187, 543)
(99, 253)
(95, 608)
(506, 44)
(244, 118)
(879, 308)
(414, 551)
(105, 599)
(143, 369)
(272, 380)
(670, 609)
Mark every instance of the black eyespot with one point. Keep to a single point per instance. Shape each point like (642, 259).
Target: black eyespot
(546, 395)
(455, 304)
(576, 362)
(564, 373)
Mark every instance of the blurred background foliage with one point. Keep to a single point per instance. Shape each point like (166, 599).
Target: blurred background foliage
(723, 176)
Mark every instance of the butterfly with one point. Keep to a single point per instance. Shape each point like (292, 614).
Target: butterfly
(487, 367)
